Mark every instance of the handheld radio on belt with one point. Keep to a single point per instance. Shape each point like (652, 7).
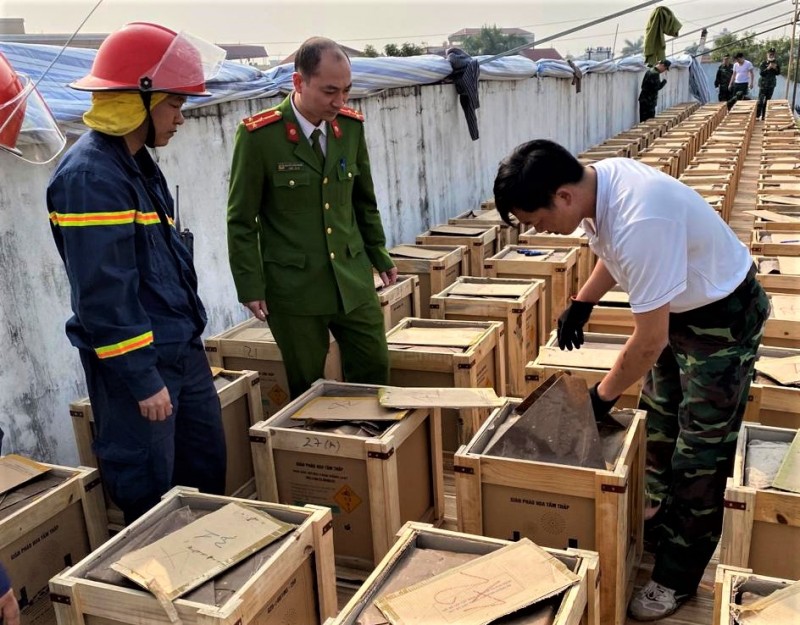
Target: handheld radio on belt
(187, 238)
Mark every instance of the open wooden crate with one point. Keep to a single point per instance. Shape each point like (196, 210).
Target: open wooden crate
(515, 303)
(507, 235)
(437, 266)
(560, 505)
(398, 301)
(46, 525)
(729, 584)
(783, 325)
(250, 346)
(779, 274)
(555, 265)
(373, 480)
(240, 399)
(771, 241)
(592, 362)
(449, 354)
(480, 241)
(787, 220)
(612, 314)
(775, 405)
(578, 605)
(294, 584)
(578, 239)
(760, 527)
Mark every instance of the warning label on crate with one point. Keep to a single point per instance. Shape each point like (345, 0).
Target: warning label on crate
(277, 395)
(347, 499)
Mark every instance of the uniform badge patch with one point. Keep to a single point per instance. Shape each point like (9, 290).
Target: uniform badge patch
(290, 166)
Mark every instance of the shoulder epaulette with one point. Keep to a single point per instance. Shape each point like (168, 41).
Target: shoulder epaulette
(261, 119)
(351, 113)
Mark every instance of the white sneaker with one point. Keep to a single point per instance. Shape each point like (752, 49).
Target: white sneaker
(654, 601)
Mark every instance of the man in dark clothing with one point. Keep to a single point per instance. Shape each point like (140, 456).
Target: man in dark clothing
(723, 78)
(769, 71)
(651, 85)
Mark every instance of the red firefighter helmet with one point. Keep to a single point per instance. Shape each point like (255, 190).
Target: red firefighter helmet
(27, 127)
(148, 57)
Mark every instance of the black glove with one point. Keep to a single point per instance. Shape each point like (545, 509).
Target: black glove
(601, 407)
(571, 322)
(663, 82)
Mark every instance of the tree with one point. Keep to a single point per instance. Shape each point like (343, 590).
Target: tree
(633, 47)
(406, 49)
(755, 50)
(370, 51)
(491, 40)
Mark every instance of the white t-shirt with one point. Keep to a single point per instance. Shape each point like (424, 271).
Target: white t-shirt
(741, 72)
(661, 241)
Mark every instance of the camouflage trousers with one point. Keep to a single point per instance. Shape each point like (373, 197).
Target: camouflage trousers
(695, 397)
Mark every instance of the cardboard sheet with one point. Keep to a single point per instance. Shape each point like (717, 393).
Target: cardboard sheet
(329, 408)
(785, 371)
(16, 470)
(185, 559)
(481, 591)
(782, 606)
(436, 336)
(788, 477)
(788, 238)
(785, 307)
(410, 397)
(789, 265)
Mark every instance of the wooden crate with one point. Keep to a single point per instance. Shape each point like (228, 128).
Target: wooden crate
(612, 314)
(250, 346)
(776, 277)
(560, 506)
(760, 527)
(398, 301)
(786, 219)
(296, 584)
(578, 605)
(731, 581)
(783, 325)
(515, 303)
(480, 241)
(556, 266)
(437, 266)
(506, 235)
(777, 405)
(775, 242)
(578, 239)
(372, 483)
(240, 398)
(450, 354)
(45, 526)
(592, 362)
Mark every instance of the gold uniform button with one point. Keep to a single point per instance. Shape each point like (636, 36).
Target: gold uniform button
(329, 230)
(324, 181)
(291, 183)
(333, 255)
(327, 205)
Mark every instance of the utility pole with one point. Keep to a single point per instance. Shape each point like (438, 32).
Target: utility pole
(791, 50)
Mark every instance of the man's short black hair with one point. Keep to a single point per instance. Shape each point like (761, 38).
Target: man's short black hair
(528, 178)
(739, 55)
(309, 54)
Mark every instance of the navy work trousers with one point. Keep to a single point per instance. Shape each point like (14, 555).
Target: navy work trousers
(140, 460)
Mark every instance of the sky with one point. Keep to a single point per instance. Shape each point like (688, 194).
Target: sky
(281, 25)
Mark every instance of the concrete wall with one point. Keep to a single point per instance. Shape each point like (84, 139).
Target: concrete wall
(425, 166)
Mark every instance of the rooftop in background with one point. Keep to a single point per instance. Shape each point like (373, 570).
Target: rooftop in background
(12, 30)
(538, 54)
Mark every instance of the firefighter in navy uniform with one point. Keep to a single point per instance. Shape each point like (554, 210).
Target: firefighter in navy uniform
(137, 315)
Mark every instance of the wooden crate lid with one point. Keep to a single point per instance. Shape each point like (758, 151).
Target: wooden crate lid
(487, 289)
(418, 252)
(252, 335)
(773, 216)
(442, 336)
(589, 356)
(458, 231)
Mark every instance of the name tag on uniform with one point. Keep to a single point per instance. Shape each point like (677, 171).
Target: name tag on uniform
(290, 166)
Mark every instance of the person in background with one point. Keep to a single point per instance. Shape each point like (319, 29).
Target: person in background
(723, 78)
(137, 314)
(742, 79)
(304, 231)
(699, 315)
(28, 132)
(769, 70)
(652, 83)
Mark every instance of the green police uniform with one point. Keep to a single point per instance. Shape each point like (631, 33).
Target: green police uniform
(304, 235)
(768, 78)
(648, 97)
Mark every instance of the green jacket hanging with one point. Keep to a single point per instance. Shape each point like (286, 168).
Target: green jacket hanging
(662, 22)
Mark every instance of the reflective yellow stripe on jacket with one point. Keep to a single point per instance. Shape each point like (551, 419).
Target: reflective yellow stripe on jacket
(118, 218)
(129, 345)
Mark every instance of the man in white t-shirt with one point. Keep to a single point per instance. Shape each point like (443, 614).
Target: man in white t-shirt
(698, 315)
(742, 79)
